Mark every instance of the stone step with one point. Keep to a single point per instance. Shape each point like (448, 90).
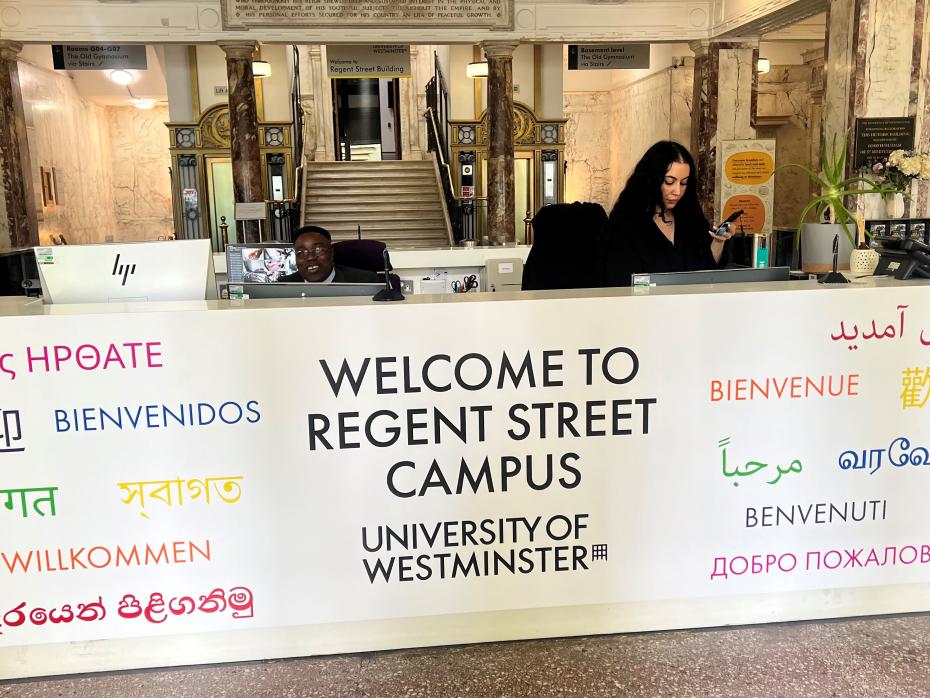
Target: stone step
(399, 202)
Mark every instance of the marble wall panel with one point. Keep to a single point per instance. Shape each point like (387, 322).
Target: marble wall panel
(641, 116)
(608, 132)
(587, 146)
(785, 104)
(887, 81)
(682, 94)
(71, 137)
(140, 172)
(110, 163)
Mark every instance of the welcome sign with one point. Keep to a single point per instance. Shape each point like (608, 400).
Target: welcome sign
(637, 462)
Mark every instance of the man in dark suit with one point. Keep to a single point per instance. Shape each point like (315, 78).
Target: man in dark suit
(313, 248)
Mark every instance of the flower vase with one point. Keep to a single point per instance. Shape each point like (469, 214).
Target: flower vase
(894, 205)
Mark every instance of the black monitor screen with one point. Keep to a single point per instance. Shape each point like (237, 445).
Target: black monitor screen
(712, 276)
(260, 263)
(301, 290)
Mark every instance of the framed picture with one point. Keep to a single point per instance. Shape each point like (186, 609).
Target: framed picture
(917, 229)
(48, 186)
(876, 227)
(55, 187)
(898, 229)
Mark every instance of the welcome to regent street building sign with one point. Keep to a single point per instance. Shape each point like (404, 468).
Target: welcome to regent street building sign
(245, 14)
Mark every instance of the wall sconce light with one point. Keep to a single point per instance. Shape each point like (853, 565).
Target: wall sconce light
(763, 66)
(261, 69)
(122, 77)
(477, 69)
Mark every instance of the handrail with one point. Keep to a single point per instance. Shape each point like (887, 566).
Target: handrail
(442, 159)
(297, 172)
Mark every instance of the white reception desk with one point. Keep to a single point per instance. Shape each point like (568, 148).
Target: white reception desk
(221, 481)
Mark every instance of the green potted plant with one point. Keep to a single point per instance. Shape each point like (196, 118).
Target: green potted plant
(828, 203)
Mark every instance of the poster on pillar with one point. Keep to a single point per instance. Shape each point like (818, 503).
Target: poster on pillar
(746, 184)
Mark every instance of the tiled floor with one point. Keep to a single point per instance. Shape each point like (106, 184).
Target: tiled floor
(869, 657)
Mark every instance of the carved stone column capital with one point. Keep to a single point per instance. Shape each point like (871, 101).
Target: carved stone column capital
(499, 49)
(238, 50)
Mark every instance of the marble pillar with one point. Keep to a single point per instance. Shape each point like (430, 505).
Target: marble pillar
(322, 90)
(243, 130)
(723, 108)
(877, 66)
(500, 141)
(18, 223)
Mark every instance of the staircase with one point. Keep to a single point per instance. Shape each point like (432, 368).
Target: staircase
(396, 201)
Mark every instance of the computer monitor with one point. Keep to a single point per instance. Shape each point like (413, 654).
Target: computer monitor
(712, 276)
(260, 262)
(164, 270)
(301, 290)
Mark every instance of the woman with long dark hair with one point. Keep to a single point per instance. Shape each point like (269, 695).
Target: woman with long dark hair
(657, 224)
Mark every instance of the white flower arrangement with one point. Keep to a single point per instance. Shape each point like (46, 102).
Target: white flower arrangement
(901, 168)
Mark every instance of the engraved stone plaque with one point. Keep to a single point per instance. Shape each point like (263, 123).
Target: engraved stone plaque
(490, 14)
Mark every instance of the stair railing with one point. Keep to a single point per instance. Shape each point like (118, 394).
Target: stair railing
(462, 211)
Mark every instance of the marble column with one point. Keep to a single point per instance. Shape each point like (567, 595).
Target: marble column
(723, 108)
(243, 130)
(325, 142)
(18, 223)
(500, 141)
(877, 66)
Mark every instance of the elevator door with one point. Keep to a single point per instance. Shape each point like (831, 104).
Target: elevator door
(366, 118)
(524, 192)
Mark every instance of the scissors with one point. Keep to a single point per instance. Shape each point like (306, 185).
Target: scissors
(465, 285)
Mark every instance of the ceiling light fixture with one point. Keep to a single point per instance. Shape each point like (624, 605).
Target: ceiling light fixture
(477, 69)
(143, 103)
(763, 65)
(122, 77)
(261, 69)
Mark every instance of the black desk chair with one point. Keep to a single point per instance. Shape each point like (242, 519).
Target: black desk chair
(565, 247)
(363, 254)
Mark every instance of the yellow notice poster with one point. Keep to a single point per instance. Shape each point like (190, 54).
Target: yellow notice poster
(747, 184)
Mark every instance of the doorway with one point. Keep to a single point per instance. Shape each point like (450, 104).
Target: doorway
(524, 192)
(366, 118)
(221, 199)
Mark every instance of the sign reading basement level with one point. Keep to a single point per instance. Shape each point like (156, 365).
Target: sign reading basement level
(98, 56)
(608, 56)
(368, 60)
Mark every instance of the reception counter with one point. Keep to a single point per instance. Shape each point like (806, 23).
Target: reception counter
(231, 480)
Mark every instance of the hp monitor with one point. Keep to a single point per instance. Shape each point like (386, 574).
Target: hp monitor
(166, 270)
